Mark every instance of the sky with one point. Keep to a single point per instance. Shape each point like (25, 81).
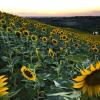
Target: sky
(51, 7)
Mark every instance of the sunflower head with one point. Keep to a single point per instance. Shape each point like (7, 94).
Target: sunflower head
(44, 39)
(18, 33)
(3, 21)
(44, 29)
(25, 33)
(89, 81)
(52, 33)
(77, 45)
(28, 74)
(9, 29)
(54, 42)
(34, 38)
(63, 37)
(3, 88)
(94, 49)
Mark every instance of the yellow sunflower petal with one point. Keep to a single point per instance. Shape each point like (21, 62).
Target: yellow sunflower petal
(2, 76)
(87, 72)
(79, 78)
(3, 84)
(92, 67)
(78, 85)
(83, 72)
(98, 65)
(2, 80)
(3, 93)
(3, 89)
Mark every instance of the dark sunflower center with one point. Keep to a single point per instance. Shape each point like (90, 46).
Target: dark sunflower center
(54, 41)
(28, 73)
(64, 37)
(9, 29)
(44, 39)
(26, 33)
(95, 50)
(93, 78)
(33, 38)
(18, 34)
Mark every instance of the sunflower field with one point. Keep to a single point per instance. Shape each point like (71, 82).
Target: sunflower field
(44, 62)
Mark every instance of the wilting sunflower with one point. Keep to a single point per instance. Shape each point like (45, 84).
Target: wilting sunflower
(3, 88)
(89, 81)
(44, 39)
(51, 53)
(27, 73)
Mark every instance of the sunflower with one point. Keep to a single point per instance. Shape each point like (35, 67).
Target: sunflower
(27, 73)
(51, 53)
(63, 37)
(22, 29)
(44, 39)
(44, 29)
(95, 50)
(89, 81)
(52, 33)
(54, 42)
(18, 33)
(77, 45)
(3, 21)
(3, 88)
(60, 32)
(11, 24)
(25, 33)
(9, 29)
(34, 38)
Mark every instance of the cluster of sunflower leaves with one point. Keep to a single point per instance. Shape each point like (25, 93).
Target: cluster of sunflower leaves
(54, 62)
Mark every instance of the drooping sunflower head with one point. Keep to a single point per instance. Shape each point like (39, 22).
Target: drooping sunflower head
(3, 88)
(51, 53)
(89, 81)
(28, 74)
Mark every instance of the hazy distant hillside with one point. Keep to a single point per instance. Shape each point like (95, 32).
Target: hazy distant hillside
(89, 23)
